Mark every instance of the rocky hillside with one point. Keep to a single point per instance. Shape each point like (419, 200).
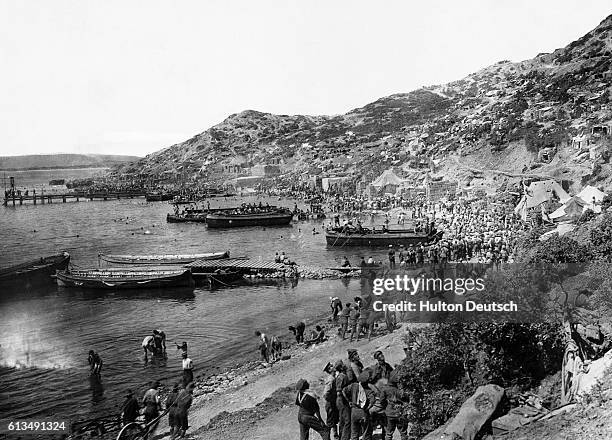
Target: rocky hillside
(550, 116)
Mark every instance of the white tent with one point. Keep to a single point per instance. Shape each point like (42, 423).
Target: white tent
(590, 194)
(585, 199)
(544, 190)
(388, 177)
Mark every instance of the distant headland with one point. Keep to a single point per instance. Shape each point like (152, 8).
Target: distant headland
(61, 161)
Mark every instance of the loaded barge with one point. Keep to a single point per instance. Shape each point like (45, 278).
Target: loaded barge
(34, 272)
(224, 219)
(379, 239)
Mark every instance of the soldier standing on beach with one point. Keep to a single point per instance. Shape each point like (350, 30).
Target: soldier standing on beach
(355, 367)
(344, 409)
(298, 331)
(336, 307)
(360, 397)
(329, 394)
(395, 399)
(353, 317)
(171, 407)
(309, 414)
(363, 325)
(344, 319)
(391, 257)
(264, 346)
(382, 369)
(151, 403)
(129, 409)
(183, 403)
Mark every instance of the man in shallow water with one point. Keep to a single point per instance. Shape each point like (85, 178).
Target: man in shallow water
(148, 344)
(159, 339)
(95, 363)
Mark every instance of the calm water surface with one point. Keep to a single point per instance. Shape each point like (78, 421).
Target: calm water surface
(47, 333)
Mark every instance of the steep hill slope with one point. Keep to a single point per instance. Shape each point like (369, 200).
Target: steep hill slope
(507, 110)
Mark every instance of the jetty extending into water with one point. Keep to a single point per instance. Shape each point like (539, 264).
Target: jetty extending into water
(20, 199)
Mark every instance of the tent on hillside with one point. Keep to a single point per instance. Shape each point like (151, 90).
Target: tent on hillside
(542, 191)
(537, 193)
(589, 198)
(593, 197)
(574, 208)
(388, 177)
(571, 210)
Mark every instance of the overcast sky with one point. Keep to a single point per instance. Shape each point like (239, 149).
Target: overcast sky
(131, 77)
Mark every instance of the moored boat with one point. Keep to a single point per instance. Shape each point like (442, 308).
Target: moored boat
(124, 279)
(379, 239)
(191, 215)
(33, 272)
(186, 218)
(159, 196)
(162, 259)
(225, 219)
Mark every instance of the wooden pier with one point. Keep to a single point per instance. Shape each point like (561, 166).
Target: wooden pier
(43, 198)
(236, 263)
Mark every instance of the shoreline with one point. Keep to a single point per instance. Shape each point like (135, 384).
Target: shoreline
(251, 386)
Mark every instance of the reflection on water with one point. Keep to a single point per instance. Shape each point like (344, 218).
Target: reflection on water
(96, 387)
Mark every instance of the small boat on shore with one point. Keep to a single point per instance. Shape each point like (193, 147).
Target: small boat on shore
(33, 272)
(162, 259)
(228, 219)
(124, 279)
(379, 239)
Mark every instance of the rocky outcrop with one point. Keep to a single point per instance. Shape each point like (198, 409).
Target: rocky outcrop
(472, 416)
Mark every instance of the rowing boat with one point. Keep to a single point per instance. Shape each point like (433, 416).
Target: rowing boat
(391, 238)
(276, 217)
(162, 259)
(34, 272)
(124, 279)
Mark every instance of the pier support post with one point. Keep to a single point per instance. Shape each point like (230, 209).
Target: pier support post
(13, 200)
(34, 199)
(64, 199)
